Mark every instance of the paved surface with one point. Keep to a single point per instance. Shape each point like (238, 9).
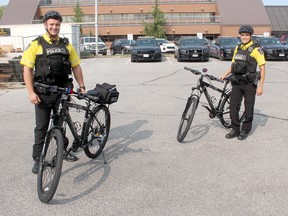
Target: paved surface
(148, 171)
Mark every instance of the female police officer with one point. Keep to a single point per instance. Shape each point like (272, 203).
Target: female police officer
(53, 58)
(244, 78)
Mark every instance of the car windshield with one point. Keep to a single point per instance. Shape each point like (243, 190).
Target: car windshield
(269, 41)
(126, 42)
(162, 41)
(92, 40)
(229, 41)
(193, 41)
(147, 42)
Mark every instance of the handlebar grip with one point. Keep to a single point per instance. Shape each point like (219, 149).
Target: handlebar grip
(192, 70)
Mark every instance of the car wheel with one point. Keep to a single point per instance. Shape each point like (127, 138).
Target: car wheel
(179, 58)
(221, 57)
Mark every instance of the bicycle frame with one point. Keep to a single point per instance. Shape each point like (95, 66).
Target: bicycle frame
(202, 87)
(79, 140)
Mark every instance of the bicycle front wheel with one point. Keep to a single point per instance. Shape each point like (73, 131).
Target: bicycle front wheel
(187, 118)
(50, 165)
(97, 131)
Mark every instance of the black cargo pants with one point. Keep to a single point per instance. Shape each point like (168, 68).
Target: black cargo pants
(246, 91)
(42, 117)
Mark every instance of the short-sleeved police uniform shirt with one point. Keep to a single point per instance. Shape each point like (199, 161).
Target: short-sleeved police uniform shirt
(29, 56)
(257, 53)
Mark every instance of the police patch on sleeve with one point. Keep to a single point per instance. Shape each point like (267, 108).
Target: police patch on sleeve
(260, 50)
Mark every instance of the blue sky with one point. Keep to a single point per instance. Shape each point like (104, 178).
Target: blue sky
(265, 2)
(273, 2)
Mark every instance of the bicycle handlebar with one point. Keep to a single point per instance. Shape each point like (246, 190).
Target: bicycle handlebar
(211, 77)
(68, 91)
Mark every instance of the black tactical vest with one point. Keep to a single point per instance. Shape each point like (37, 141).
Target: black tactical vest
(53, 66)
(244, 63)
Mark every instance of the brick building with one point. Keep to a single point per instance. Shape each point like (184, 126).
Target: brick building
(117, 18)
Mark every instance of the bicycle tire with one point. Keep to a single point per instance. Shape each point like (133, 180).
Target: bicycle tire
(224, 111)
(97, 131)
(50, 166)
(187, 118)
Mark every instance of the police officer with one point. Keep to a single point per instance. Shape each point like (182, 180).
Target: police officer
(53, 58)
(244, 77)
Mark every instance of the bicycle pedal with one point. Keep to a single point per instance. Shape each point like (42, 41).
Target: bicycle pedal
(74, 146)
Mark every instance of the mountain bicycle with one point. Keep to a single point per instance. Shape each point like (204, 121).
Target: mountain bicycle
(93, 137)
(221, 110)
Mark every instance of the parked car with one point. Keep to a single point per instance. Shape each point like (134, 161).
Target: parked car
(89, 44)
(121, 46)
(191, 48)
(273, 48)
(165, 45)
(146, 49)
(223, 47)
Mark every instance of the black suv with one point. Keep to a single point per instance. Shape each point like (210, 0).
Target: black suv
(121, 46)
(146, 49)
(273, 48)
(191, 48)
(223, 47)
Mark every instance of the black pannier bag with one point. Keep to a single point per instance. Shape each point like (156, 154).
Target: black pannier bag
(106, 93)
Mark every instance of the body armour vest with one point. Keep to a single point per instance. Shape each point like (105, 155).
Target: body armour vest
(244, 63)
(53, 66)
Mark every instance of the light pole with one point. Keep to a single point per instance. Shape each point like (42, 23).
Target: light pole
(96, 26)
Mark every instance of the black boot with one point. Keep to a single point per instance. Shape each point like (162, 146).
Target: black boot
(233, 133)
(69, 156)
(35, 167)
(243, 135)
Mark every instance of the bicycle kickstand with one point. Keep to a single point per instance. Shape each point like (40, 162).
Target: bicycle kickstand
(102, 153)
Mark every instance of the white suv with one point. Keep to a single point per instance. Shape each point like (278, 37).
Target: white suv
(89, 44)
(165, 45)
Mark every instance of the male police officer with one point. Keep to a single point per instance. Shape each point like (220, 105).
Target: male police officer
(244, 81)
(53, 58)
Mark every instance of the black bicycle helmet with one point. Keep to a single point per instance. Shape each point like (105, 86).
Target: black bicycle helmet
(52, 15)
(246, 29)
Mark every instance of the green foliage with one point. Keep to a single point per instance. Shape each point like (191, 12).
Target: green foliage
(2, 9)
(157, 27)
(78, 17)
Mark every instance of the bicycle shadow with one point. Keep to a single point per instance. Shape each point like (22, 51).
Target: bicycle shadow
(197, 132)
(132, 134)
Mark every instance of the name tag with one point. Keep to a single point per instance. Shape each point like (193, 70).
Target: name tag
(240, 57)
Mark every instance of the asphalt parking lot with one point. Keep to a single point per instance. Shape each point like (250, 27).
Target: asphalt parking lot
(148, 171)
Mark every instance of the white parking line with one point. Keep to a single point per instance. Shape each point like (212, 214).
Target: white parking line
(128, 61)
(168, 58)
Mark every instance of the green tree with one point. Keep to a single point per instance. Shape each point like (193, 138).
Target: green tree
(2, 9)
(157, 27)
(78, 17)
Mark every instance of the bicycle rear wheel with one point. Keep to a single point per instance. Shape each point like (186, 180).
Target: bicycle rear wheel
(97, 131)
(50, 165)
(224, 111)
(187, 118)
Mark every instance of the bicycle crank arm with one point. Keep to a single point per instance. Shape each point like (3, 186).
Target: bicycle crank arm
(212, 114)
